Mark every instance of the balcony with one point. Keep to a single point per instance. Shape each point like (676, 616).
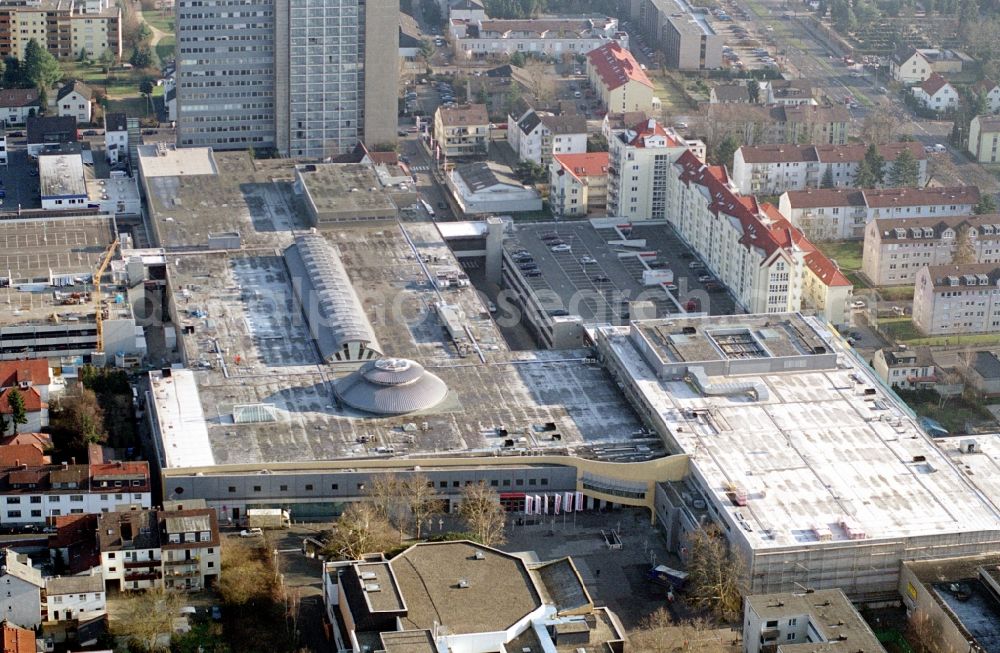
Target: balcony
(136, 564)
(193, 560)
(155, 575)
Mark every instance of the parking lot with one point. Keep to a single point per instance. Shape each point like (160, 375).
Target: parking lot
(19, 179)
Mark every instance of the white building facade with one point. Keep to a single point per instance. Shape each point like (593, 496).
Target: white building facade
(639, 162)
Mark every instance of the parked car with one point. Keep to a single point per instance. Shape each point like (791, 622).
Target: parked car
(705, 278)
(601, 279)
(251, 532)
(672, 287)
(587, 260)
(533, 273)
(563, 247)
(696, 265)
(857, 304)
(216, 613)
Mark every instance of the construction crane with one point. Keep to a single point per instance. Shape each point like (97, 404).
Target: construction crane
(98, 299)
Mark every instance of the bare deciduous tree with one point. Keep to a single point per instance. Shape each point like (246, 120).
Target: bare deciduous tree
(543, 84)
(922, 632)
(424, 502)
(965, 247)
(248, 577)
(145, 616)
(880, 125)
(404, 502)
(360, 530)
(658, 633)
(716, 580)
(484, 516)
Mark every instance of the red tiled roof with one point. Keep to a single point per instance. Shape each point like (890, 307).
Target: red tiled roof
(17, 640)
(778, 153)
(817, 197)
(384, 158)
(12, 455)
(616, 66)
(32, 400)
(826, 270)
(933, 84)
(40, 441)
(591, 164)
(647, 129)
(34, 370)
(886, 197)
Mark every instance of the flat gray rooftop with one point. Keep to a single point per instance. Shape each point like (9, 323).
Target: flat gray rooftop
(32, 249)
(250, 346)
(344, 188)
(830, 612)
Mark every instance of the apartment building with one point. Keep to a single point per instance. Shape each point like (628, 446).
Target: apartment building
(777, 124)
(32, 491)
(639, 161)
(683, 33)
(21, 599)
(895, 250)
(957, 299)
(793, 621)
(479, 39)
(292, 76)
(843, 213)
(787, 92)
(66, 28)
(578, 184)
(540, 135)
(462, 131)
(908, 369)
(620, 82)
(984, 137)
(768, 264)
(775, 169)
(937, 94)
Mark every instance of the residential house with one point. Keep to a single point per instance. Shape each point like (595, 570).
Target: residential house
(14, 639)
(984, 137)
(462, 131)
(729, 94)
(539, 135)
(909, 66)
(620, 82)
(48, 131)
(30, 493)
(787, 92)
(990, 91)
(16, 104)
(937, 94)
(20, 590)
(41, 442)
(471, 11)
(26, 374)
(907, 369)
(400, 604)
(490, 187)
(768, 265)
(578, 184)
(75, 99)
(638, 162)
(957, 299)
(176, 549)
(116, 137)
(843, 213)
(896, 249)
(775, 169)
(806, 622)
(982, 372)
(75, 598)
(490, 38)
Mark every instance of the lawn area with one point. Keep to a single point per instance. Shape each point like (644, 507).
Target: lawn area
(902, 329)
(165, 48)
(896, 293)
(847, 253)
(160, 20)
(956, 413)
(118, 84)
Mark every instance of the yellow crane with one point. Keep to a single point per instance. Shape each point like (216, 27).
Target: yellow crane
(98, 277)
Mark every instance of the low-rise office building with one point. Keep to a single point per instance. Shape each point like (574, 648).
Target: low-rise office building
(578, 184)
(442, 596)
(823, 621)
(775, 169)
(620, 82)
(957, 299)
(338, 193)
(984, 138)
(478, 39)
(844, 213)
(489, 187)
(896, 249)
(462, 131)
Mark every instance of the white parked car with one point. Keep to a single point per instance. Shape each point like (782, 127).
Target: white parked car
(562, 248)
(587, 260)
(857, 304)
(251, 532)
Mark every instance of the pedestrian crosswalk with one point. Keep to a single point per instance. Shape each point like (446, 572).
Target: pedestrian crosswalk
(420, 168)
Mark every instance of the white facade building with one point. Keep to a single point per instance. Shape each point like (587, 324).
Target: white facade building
(937, 94)
(20, 590)
(476, 39)
(639, 161)
(539, 135)
(116, 137)
(843, 213)
(826, 618)
(957, 299)
(74, 99)
(79, 598)
(489, 187)
(578, 184)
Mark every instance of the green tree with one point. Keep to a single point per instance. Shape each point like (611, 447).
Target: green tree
(142, 57)
(145, 34)
(725, 151)
(75, 420)
(13, 73)
(827, 181)
(986, 205)
(875, 163)
(518, 59)
(106, 59)
(40, 68)
(865, 178)
(753, 88)
(905, 170)
(18, 413)
(3, 424)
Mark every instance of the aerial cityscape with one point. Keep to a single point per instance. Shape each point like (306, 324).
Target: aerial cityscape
(500, 326)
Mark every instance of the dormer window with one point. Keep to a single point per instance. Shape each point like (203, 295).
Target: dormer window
(948, 233)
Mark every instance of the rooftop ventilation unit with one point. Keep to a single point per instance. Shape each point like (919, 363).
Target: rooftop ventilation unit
(463, 583)
(368, 575)
(373, 587)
